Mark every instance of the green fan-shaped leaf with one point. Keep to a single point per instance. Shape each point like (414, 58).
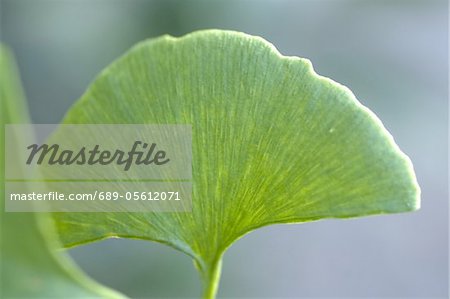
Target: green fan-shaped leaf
(273, 142)
(30, 266)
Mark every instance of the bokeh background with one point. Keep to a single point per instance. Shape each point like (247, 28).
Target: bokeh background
(392, 54)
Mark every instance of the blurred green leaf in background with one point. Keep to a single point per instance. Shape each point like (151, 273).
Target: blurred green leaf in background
(30, 265)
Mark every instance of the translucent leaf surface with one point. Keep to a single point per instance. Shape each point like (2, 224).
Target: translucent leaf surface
(30, 266)
(273, 142)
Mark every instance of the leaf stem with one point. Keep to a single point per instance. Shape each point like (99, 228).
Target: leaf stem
(211, 278)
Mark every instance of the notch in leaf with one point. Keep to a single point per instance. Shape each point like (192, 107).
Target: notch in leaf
(273, 142)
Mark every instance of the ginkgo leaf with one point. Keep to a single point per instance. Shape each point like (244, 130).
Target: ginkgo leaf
(30, 266)
(272, 142)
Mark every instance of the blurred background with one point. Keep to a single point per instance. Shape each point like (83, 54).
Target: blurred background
(392, 54)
